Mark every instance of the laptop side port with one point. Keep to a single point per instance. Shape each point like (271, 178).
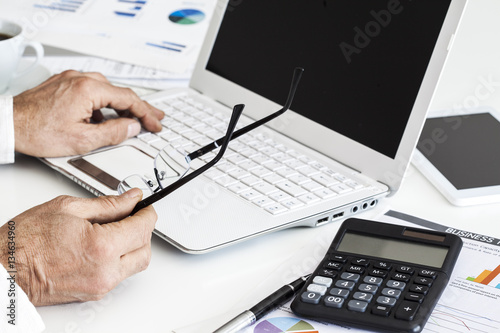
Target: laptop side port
(322, 221)
(337, 215)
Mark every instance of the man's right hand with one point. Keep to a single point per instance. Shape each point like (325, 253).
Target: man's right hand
(72, 249)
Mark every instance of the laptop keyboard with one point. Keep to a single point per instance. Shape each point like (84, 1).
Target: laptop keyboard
(255, 167)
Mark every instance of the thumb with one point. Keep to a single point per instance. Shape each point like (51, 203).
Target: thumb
(113, 131)
(111, 208)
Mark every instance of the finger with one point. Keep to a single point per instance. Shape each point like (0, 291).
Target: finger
(135, 261)
(133, 232)
(107, 133)
(107, 95)
(103, 209)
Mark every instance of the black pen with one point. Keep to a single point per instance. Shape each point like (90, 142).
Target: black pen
(248, 317)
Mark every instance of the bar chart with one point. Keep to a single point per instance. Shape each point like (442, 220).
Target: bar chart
(487, 277)
(129, 8)
(69, 6)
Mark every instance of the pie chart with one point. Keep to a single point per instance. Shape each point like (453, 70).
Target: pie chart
(186, 16)
(284, 324)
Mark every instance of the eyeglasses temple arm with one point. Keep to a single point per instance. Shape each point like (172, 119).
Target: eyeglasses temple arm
(297, 74)
(237, 111)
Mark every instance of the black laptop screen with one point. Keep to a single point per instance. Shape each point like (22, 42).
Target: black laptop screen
(364, 60)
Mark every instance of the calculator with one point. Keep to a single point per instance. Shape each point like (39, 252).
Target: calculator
(380, 277)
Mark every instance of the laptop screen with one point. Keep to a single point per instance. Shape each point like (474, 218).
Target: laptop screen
(364, 60)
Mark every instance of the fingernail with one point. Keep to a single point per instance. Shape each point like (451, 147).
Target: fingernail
(133, 129)
(132, 193)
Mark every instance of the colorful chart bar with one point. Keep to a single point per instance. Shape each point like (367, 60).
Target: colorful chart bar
(486, 276)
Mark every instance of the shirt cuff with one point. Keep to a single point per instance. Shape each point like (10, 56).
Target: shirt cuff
(18, 315)
(7, 144)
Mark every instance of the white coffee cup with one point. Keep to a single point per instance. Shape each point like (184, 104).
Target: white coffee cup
(12, 46)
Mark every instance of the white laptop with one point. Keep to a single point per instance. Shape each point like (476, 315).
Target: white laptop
(371, 68)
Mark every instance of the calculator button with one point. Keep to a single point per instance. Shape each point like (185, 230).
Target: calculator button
(427, 273)
(324, 281)
(405, 269)
(419, 289)
(407, 310)
(358, 306)
(360, 262)
(391, 292)
(381, 310)
(400, 277)
(384, 300)
(355, 269)
(414, 297)
(344, 284)
(338, 258)
(423, 281)
(333, 265)
(381, 264)
(350, 276)
(362, 296)
(316, 288)
(368, 288)
(334, 301)
(396, 284)
(377, 272)
(310, 297)
(373, 280)
(328, 272)
(339, 292)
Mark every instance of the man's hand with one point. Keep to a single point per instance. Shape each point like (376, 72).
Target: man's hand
(72, 249)
(53, 119)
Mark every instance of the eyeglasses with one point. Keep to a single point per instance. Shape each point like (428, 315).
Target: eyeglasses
(172, 166)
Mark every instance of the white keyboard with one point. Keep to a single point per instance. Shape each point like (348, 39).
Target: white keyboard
(255, 167)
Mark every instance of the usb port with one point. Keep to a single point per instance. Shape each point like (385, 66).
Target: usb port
(322, 221)
(336, 216)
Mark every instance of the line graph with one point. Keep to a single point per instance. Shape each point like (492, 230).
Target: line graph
(451, 319)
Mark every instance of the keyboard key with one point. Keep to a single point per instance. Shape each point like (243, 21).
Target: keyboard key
(310, 297)
(308, 171)
(251, 180)
(291, 188)
(325, 193)
(299, 179)
(250, 194)
(274, 179)
(226, 181)
(334, 301)
(275, 208)
(316, 288)
(263, 201)
(286, 172)
(261, 171)
(265, 188)
(324, 180)
(324, 281)
(312, 186)
(279, 196)
(159, 144)
(308, 198)
(238, 188)
(149, 137)
(292, 203)
(341, 188)
(358, 306)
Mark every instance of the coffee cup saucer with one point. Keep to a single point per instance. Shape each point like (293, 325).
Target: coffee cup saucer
(29, 80)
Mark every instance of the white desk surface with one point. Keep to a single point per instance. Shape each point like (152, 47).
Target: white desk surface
(179, 290)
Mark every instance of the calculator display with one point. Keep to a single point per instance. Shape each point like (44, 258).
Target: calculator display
(417, 253)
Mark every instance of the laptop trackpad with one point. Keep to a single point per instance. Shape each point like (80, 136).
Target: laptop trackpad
(111, 166)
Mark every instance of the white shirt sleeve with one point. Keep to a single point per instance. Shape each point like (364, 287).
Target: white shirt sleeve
(6, 130)
(17, 314)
